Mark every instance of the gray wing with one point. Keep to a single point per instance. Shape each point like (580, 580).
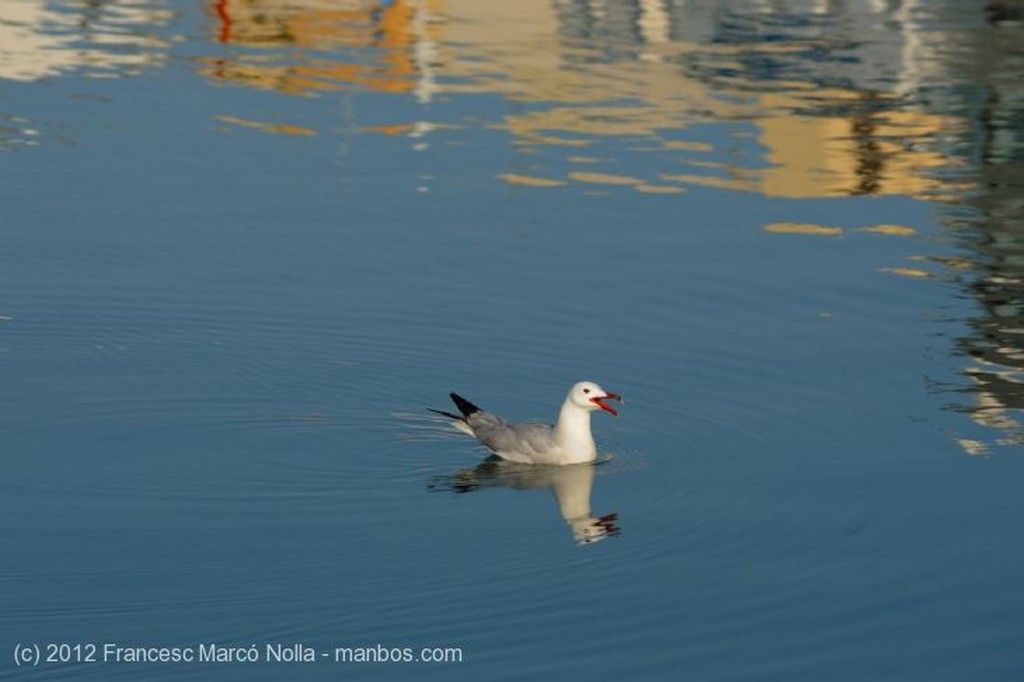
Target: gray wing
(513, 440)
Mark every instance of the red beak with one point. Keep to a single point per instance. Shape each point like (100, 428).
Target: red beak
(599, 401)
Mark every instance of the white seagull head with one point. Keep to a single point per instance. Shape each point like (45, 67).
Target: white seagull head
(587, 395)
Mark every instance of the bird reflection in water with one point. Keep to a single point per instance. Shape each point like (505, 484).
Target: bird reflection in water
(570, 484)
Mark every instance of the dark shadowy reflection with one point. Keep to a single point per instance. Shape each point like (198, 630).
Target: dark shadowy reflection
(983, 84)
(571, 485)
(609, 20)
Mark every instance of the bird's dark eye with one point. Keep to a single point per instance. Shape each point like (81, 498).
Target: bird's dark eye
(586, 390)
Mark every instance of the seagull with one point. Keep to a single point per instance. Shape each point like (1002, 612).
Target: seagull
(567, 442)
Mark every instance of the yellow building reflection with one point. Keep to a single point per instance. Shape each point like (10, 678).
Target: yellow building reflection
(866, 144)
(648, 71)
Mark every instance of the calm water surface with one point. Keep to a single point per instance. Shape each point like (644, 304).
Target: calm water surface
(244, 244)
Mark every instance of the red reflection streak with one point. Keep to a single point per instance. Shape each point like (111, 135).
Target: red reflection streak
(221, 7)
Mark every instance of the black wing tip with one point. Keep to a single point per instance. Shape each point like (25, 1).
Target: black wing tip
(450, 415)
(465, 407)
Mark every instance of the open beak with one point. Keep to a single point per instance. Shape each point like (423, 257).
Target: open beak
(599, 401)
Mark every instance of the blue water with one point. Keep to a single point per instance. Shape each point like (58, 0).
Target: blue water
(243, 247)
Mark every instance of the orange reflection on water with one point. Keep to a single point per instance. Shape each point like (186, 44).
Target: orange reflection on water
(310, 30)
(280, 128)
